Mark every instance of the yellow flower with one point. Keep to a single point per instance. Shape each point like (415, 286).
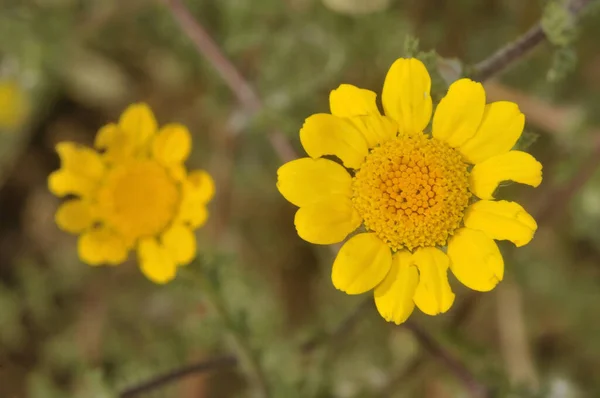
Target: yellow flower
(414, 193)
(133, 192)
(13, 104)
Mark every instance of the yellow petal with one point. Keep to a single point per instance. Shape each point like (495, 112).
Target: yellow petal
(375, 129)
(155, 261)
(138, 122)
(361, 264)
(172, 144)
(102, 246)
(394, 296)
(433, 295)
(74, 216)
(475, 259)
(459, 113)
(305, 181)
(193, 215)
(201, 185)
(180, 243)
(359, 106)
(501, 220)
(348, 100)
(406, 95)
(106, 135)
(63, 182)
(178, 172)
(14, 104)
(328, 221)
(118, 145)
(500, 129)
(81, 160)
(511, 166)
(131, 137)
(324, 134)
(80, 173)
(197, 190)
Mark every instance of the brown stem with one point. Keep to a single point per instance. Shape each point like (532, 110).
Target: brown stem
(211, 51)
(514, 51)
(228, 361)
(238, 85)
(217, 363)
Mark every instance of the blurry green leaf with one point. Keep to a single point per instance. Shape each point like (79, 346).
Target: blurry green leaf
(93, 385)
(356, 7)
(439, 87)
(564, 60)
(283, 364)
(37, 292)
(558, 23)
(95, 80)
(40, 385)
(12, 332)
(411, 46)
(62, 353)
(527, 139)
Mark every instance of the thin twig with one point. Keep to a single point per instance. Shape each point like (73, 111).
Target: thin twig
(238, 85)
(410, 370)
(228, 361)
(344, 326)
(476, 389)
(218, 363)
(209, 49)
(514, 51)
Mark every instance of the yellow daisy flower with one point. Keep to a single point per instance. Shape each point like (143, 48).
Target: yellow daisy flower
(425, 200)
(133, 192)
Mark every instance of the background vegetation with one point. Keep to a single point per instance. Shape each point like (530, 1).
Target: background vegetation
(67, 329)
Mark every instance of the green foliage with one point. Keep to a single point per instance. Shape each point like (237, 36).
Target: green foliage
(11, 328)
(443, 72)
(527, 139)
(560, 27)
(564, 61)
(558, 23)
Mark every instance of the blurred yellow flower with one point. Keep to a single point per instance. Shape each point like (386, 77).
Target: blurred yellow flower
(414, 193)
(13, 104)
(133, 192)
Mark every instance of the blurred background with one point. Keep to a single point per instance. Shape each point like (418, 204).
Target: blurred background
(67, 67)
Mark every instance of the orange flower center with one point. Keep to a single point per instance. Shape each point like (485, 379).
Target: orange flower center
(139, 199)
(412, 192)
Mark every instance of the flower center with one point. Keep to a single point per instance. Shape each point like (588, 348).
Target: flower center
(139, 199)
(412, 192)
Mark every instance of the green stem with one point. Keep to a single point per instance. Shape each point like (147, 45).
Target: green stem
(245, 354)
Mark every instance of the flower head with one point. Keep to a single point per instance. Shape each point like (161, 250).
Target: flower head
(133, 193)
(425, 200)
